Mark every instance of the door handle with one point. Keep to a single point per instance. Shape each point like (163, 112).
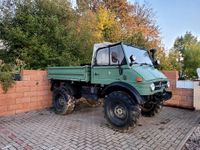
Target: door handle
(96, 74)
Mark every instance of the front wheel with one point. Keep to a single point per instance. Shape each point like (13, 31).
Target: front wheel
(120, 111)
(151, 109)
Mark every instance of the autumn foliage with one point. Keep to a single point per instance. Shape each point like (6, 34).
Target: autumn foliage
(46, 32)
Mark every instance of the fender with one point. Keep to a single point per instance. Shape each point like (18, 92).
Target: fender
(122, 86)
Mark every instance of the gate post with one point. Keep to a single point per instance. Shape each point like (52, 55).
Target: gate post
(196, 98)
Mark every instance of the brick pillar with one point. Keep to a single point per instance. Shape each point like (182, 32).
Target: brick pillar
(196, 100)
(181, 97)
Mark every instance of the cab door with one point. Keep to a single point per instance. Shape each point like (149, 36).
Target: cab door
(108, 65)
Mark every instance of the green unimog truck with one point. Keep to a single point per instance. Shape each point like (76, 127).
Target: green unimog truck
(123, 75)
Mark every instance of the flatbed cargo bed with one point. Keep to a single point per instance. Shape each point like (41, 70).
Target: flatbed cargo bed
(72, 73)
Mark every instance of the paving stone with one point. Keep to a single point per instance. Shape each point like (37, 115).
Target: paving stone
(86, 129)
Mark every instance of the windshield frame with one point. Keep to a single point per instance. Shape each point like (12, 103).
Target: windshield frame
(128, 57)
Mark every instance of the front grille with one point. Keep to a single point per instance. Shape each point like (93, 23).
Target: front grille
(160, 84)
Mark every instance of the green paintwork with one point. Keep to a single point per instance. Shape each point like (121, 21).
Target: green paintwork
(105, 75)
(75, 73)
(108, 74)
(149, 73)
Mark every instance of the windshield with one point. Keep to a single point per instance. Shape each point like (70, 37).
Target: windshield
(142, 56)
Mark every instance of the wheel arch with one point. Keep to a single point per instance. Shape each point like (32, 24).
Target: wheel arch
(67, 85)
(125, 87)
(54, 83)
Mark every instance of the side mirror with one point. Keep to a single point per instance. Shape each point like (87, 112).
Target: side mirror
(157, 63)
(132, 58)
(153, 51)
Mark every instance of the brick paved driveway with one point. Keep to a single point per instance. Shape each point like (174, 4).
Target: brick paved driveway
(86, 129)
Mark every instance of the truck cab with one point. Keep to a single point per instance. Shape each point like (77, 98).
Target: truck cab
(124, 63)
(126, 77)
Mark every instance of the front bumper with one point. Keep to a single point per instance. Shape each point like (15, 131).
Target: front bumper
(164, 96)
(167, 95)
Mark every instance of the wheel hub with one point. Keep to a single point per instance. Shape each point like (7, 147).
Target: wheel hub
(61, 101)
(120, 112)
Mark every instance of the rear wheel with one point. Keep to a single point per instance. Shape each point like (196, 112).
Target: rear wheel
(151, 109)
(120, 111)
(63, 101)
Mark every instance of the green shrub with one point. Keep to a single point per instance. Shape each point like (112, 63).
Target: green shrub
(6, 80)
(6, 76)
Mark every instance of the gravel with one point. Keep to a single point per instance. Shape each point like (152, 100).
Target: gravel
(193, 143)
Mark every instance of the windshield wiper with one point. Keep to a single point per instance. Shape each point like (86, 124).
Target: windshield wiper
(145, 64)
(133, 63)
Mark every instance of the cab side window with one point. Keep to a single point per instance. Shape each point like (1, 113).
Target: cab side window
(116, 55)
(102, 57)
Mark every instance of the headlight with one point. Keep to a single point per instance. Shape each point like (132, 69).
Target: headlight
(152, 86)
(168, 84)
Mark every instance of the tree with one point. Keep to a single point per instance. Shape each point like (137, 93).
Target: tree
(107, 25)
(189, 47)
(181, 43)
(47, 32)
(38, 32)
(164, 60)
(84, 5)
(175, 60)
(135, 21)
(192, 60)
(86, 35)
(93, 27)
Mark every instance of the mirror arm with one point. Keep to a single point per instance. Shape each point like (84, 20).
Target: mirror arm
(120, 68)
(95, 61)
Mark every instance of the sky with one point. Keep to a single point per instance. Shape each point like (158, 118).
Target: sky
(175, 17)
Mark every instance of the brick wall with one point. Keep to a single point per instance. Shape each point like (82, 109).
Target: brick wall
(32, 93)
(181, 97)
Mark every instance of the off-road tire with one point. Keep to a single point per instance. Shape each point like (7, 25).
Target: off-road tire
(130, 111)
(63, 101)
(151, 109)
